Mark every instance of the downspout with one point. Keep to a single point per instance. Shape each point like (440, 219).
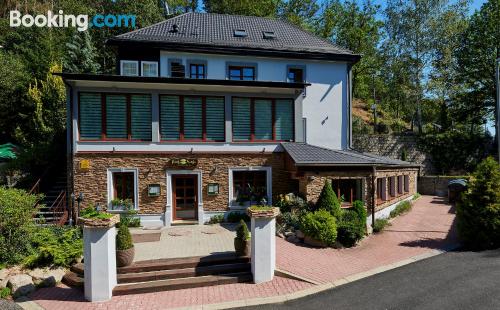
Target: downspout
(69, 149)
(349, 105)
(374, 184)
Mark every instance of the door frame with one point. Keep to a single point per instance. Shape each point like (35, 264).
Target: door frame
(169, 216)
(174, 195)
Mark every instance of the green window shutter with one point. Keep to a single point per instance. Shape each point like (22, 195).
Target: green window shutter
(193, 118)
(263, 119)
(116, 117)
(241, 119)
(170, 117)
(215, 118)
(284, 119)
(90, 116)
(140, 110)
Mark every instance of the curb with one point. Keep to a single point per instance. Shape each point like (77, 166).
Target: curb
(321, 287)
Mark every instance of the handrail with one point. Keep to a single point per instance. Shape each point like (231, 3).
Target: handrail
(35, 189)
(58, 206)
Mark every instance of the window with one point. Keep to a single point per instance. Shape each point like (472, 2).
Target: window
(176, 69)
(381, 190)
(197, 71)
(392, 187)
(258, 119)
(249, 186)
(129, 67)
(122, 186)
(406, 183)
(295, 75)
(115, 116)
(268, 35)
(149, 68)
(242, 73)
(400, 184)
(241, 33)
(348, 190)
(192, 118)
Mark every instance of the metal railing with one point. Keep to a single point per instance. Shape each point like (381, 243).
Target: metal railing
(59, 209)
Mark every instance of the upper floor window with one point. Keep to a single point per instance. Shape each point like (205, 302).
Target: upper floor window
(244, 73)
(149, 68)
(197, 71)
(295, 75)
(129, 67)
(115, 116)
(177, 69)
(259, 119)
(192, 118)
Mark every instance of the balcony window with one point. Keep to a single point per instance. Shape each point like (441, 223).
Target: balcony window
(295, 75)
(129, 67)
(241, 73)
(197, 71)
(259, 119)
(149, 68)
(192, 118)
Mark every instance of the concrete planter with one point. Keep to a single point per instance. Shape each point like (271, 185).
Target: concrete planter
(242, 247)
(99, 223)
(125, 257)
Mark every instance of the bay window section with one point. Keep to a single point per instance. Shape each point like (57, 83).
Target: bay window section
(256, 119)
(192, 118)
(114, 116)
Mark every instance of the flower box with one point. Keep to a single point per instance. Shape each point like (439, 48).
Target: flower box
(260, 212)
(99, 222)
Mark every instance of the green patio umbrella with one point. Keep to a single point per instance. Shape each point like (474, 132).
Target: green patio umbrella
(8, 151)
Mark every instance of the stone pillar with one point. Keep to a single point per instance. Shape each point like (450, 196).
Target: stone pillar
(263, 257)
(99, 254)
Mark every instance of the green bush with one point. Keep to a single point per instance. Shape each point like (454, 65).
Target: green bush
(328, 200)
(351, 228)
(416, 196)
(242, 232)
(55, 246)
(5, 292)
(123, 238)
(319, 225)
(478, 214)
(359, 207)
(91, 213)
(235, 217)
(380, 225)
(16, 224)
(128, 218)
(402, 207)
(215, 219)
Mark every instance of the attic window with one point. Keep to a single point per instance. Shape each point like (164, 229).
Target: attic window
(269, 35)
(241, 33)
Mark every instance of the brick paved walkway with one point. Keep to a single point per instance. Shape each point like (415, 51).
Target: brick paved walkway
(427, 227)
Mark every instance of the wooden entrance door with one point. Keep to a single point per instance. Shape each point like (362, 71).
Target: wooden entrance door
(185, 194)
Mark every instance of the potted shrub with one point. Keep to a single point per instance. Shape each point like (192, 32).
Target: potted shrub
(125, 250)
(320, 228)
(242, 240)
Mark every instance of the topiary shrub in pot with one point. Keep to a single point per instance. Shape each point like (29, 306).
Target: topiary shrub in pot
(125, 250)
(242, 240)
(320, 228)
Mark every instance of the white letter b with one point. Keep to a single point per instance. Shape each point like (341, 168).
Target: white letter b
(15, 20)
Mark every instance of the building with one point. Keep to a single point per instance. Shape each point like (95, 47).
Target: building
(210, 113)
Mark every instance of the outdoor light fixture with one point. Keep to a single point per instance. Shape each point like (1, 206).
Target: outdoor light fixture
(79, 199)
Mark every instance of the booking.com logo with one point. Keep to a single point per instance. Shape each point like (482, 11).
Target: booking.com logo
(80, 22)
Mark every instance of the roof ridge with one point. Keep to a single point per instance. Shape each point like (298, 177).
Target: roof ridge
(153, 25)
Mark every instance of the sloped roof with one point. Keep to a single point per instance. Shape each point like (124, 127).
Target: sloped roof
(217, 30)
(309, 155)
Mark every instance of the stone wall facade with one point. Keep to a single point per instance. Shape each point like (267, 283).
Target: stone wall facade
(436, 184)
(92, 182)
(311, 184)
(393, 146)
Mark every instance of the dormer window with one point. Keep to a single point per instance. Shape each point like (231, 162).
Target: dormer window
(269, 35)
(149, 68)
(129, 67)
(240, 33)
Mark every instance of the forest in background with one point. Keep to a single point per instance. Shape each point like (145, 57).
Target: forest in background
(428, 65)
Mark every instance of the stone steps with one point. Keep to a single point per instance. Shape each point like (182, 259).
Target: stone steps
(174, 273)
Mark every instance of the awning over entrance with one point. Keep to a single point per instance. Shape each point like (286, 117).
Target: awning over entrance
(306, 155)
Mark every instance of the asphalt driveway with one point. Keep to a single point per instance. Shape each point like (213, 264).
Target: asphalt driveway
(454, 280)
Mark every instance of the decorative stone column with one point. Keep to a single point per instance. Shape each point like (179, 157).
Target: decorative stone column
(99, 254)
(263, 257)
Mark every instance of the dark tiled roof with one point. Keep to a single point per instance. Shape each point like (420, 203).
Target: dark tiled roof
(309, 155)
(218, 30)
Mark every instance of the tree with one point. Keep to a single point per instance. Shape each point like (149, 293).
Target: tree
(410, 28)
(476, 56)
(80, 54)
(478, 214)
(263, 8)
(328, 200)
(299, 12)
